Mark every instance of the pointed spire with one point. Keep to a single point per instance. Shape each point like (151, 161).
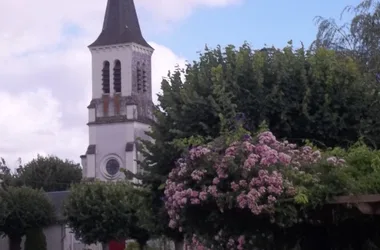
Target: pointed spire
(121, 25)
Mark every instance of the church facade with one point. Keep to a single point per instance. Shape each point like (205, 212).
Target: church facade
(121, 105)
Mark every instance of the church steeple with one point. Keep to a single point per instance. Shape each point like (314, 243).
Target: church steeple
(121, 107)
(121, 25)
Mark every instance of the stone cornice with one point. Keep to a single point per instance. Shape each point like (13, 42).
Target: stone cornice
(118, 119)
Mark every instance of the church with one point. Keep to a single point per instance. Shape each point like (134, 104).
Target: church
(118, 114)
(121, 104)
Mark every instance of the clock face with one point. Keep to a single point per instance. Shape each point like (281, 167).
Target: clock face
(112, 167)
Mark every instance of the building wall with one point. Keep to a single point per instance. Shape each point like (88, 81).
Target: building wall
(110, 141)
(111, 53)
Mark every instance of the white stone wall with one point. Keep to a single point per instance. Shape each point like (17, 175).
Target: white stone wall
(111, 54)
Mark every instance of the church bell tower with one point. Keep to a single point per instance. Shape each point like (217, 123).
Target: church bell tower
(121, 105)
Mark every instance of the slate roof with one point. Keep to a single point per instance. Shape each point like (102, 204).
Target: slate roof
(121, 25)
(57, 198)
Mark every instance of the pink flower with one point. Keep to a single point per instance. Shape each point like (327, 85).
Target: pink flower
(267, 138)
(249, 175)
(284, 158)
(234, 186)
(251, 161)
(332, 160)
(243, 183)
(194, 194)
(202, 195)
(241, 242)
(215, 181)
(249, 147)
(213, 191)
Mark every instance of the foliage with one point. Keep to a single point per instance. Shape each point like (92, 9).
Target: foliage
(159, 155)
(8, 177)
(22, 209)
(50, 173)
(99, 212)
(136, 246)
(358, 38)
(362, 174)
(35, 240)
(299, 94)
(236, 195)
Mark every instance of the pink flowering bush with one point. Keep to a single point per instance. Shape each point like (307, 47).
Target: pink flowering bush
(225, 195)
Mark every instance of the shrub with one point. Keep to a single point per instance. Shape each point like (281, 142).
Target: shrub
(234, 195)
(35, 240)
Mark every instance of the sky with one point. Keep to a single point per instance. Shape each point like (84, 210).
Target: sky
(45, 64)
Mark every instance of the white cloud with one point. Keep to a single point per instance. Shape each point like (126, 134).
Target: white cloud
(45, 75)
(174, 10)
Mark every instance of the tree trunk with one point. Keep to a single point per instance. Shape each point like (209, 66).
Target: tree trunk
(178, 245)
(14, 242)
(106, 246)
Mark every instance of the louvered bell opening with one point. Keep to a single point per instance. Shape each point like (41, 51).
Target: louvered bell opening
(145, 79)
(117, 77)
(139, 80)
(106, 77)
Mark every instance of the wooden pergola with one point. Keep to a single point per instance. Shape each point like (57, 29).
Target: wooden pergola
(367, 204)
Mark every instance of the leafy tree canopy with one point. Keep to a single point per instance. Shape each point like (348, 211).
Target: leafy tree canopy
(22, 209)
(50, 173)
(359, 37)
(99, 212)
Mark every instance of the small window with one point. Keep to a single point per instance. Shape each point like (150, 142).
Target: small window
(117, 77)
(106, 77)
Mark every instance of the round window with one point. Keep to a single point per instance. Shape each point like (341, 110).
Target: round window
(112, 167)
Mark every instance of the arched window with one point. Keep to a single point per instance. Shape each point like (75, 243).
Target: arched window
(117, 77)
(106, 77)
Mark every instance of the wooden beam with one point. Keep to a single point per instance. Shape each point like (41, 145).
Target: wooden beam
(367, 198)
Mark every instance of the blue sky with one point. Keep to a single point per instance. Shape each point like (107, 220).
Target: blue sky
(271, 22)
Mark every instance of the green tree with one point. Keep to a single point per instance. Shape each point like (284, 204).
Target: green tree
(50, 173)
(358, 38)
(23, 209)
(300, 95)
(35, 240)
(99, 212)
(8, 177)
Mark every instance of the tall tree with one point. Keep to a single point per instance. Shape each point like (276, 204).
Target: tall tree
(50, 173)
(23, 209)
(359, 37)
